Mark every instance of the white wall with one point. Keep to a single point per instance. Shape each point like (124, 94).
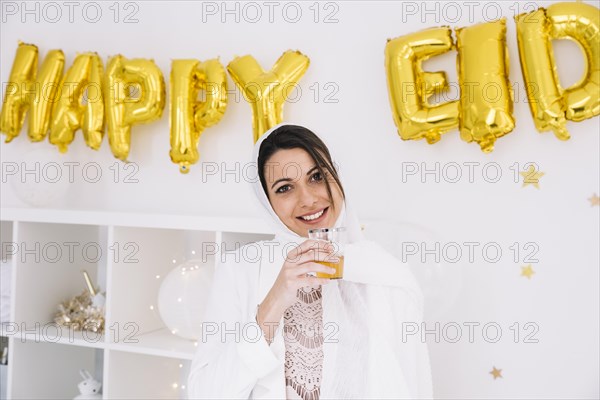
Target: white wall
(561, 298)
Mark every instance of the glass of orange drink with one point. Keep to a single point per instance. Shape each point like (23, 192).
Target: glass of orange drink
(337, 237)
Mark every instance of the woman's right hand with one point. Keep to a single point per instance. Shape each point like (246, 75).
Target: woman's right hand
(293, 275)
(298, 263)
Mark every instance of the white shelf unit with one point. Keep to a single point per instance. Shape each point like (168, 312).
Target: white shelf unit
(126, 255)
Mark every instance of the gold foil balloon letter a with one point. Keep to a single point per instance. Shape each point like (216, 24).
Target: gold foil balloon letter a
(82, 80)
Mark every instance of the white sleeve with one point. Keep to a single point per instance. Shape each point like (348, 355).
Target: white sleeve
(411, 348)
(369, 263)
(232, 354)
(402, 359)
(396, 302)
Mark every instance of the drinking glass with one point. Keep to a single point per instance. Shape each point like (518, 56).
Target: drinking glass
(337, 237)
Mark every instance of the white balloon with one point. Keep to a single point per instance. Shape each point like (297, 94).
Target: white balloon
(182, 298)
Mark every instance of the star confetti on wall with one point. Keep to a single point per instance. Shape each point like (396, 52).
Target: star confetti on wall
(527, 271)
(496, 373)
(531, 177)
(594, 200)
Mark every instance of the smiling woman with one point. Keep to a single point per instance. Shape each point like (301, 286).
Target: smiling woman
(318, 337)
(299, 178)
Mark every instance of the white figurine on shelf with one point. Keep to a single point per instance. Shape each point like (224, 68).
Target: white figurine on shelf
(89, 388)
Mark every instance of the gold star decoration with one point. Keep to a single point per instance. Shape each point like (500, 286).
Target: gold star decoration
(531, 177)
(527, 271)
(496, 373)
(594, 200)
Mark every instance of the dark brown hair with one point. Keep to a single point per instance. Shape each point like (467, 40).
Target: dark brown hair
(293, 137)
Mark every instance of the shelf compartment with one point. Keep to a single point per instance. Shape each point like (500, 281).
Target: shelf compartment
(50, 370)
(136, 277)
(148, 377)
(47, 268)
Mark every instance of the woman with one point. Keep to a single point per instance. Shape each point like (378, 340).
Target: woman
(273, 330)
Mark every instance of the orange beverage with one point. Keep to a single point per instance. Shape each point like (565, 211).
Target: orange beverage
(335, 236)
(339, 269)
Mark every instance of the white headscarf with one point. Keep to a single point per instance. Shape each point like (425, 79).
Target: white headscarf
(347, 218)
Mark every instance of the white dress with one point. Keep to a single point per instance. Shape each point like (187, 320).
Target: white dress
(358, 362)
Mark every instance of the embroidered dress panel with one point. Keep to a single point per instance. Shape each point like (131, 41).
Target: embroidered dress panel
(303, 334)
